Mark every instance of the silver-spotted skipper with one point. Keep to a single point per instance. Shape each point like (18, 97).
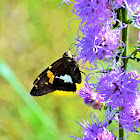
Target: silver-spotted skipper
(61, 75)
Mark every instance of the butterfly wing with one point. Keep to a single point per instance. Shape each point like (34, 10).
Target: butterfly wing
(61, 75)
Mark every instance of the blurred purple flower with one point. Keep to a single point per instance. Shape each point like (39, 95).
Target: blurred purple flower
(133, 7)
(116, 4)
(95, 131)
(90, 97)
(118, 87)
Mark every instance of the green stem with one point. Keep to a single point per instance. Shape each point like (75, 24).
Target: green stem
(121, 134)
(125, 60)
(124, 38)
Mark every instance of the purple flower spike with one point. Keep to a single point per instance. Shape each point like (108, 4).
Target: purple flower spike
(118, 87)
(95, 131)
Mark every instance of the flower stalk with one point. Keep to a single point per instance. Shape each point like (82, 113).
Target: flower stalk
(124, 37)
(124, 54)
(121, 134)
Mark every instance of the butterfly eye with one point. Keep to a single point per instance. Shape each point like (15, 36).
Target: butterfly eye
(66, 53)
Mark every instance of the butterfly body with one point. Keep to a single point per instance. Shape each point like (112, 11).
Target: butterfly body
(61, 75)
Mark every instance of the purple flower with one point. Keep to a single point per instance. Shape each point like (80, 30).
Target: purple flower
(92, 12)
(99, 46)
(90, 97)
(96, 131)
(118, 87)
(130, 116)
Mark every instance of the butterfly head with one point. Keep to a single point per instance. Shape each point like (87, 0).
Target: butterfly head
(67, 54)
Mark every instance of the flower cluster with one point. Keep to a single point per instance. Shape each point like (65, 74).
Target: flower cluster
(96, 131)
(101, 46)
(118, 87)
(92, 13)
(100, 42)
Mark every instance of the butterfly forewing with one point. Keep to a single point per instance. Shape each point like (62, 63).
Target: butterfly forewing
(39, 77)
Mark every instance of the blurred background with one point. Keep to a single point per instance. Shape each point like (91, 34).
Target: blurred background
(34, 34)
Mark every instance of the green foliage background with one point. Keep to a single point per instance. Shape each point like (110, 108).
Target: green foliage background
(34, 34)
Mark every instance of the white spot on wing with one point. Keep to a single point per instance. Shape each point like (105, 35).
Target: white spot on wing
(66, 78)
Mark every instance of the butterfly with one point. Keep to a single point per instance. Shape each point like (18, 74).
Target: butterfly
(63, 75)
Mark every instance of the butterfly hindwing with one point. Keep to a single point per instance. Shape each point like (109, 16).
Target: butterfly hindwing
(61, 75)
(42, 87)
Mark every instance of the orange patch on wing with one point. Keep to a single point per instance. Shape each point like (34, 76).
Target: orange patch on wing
(51, 79)
(49, 74)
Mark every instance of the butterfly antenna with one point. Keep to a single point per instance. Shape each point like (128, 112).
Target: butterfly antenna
(72, 45)
(83, 73)
(83, 119)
